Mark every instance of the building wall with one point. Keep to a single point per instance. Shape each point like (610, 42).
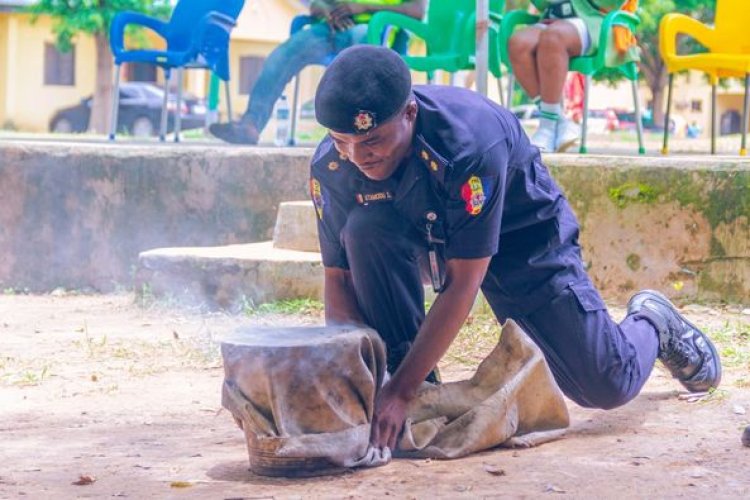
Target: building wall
(29, 102)
(4, 35)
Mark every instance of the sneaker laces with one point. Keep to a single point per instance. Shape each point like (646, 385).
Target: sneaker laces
(677, 353)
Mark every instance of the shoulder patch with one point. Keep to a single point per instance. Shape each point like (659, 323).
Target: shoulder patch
(474, 193)
(316, 193)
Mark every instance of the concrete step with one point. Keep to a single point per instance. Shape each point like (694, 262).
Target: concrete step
(296, 227)
(229, 277)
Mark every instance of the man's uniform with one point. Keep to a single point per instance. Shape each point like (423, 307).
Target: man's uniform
(473, 187)
(477, 192)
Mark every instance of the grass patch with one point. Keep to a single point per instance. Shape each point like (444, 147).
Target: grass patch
(23, 373)
(303, 307)
(732, 339)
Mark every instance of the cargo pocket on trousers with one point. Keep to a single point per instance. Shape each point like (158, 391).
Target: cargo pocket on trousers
(588, 298)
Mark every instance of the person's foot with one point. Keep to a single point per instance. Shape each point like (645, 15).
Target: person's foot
(234, 133)
(544, 137)
(568, 133)
(686, 351)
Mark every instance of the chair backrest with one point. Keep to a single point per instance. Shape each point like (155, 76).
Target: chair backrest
(188, 12)
(449, 18)
(731, 23)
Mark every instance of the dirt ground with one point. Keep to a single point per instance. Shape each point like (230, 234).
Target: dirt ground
(129, 396)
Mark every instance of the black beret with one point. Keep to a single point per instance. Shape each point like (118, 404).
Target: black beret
(363, 87)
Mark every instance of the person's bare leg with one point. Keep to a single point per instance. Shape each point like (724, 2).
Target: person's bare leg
(522, 48)
(557, 44)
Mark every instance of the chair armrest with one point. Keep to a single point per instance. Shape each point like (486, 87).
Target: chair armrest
(673, 24)
(299, 22)
(122, 19)
(614, 18)
(383, 19)
(510, 21)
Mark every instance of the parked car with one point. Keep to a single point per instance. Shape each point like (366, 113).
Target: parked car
(139, 111)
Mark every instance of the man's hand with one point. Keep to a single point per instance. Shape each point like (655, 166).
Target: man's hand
(343, 12)
(388, 418)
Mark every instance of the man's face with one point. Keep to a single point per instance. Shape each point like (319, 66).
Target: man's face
(378, 153)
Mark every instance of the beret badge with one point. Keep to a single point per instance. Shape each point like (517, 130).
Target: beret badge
(364, 121)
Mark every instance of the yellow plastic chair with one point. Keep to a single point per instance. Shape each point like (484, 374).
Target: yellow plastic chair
(728, 55)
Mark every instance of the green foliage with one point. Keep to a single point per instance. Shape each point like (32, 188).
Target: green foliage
(92, 17)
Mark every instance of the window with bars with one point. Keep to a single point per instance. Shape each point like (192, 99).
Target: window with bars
(59, 67)
(250, 67)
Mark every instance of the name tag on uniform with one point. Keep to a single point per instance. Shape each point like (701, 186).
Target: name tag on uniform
(367, 198)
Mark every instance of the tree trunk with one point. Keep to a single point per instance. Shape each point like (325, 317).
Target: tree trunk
(101, 107)
(657, 95)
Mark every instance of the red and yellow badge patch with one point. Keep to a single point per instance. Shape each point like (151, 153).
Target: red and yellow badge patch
(317, 196)
(472, 192)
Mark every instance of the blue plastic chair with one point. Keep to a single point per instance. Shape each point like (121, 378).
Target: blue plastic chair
(400, 43)
(197, 36)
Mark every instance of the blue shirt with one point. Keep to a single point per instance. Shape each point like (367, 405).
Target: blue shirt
(474, 181)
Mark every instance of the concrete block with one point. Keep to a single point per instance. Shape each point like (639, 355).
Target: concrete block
(229, 277)
(296, 227)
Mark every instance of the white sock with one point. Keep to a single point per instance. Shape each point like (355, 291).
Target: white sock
(550, 115)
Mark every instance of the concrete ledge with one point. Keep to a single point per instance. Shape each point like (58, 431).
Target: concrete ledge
(77, 215)
(679, 224)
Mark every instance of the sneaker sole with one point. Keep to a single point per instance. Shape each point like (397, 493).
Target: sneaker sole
(566, 145)
(660, 297)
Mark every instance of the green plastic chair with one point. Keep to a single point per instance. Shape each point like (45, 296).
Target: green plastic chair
(449, 33)
(586, 65)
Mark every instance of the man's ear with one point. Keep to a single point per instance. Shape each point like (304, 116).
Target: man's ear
(411, 111)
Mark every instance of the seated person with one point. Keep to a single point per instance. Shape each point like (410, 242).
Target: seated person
(341, 25)
(540, 55)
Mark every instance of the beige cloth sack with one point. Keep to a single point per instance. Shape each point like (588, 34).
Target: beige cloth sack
(305, 397)
(511, 400)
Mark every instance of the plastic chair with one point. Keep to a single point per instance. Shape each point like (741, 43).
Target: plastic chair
(587, 65)
(301, 22)
(449, 33)
(197, 36)
(728, 56)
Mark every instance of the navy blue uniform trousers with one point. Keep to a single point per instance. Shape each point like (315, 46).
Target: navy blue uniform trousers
(596, 362)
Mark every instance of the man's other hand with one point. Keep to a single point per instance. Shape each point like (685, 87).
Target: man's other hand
(389, 417)
(321, 8)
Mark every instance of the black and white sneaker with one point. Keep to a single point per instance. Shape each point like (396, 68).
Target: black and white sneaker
(685, 350)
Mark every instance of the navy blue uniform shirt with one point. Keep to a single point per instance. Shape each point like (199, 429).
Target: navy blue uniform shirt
(472, 181)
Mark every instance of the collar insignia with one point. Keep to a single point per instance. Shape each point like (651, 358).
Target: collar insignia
(431, 159)
(364, 121)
